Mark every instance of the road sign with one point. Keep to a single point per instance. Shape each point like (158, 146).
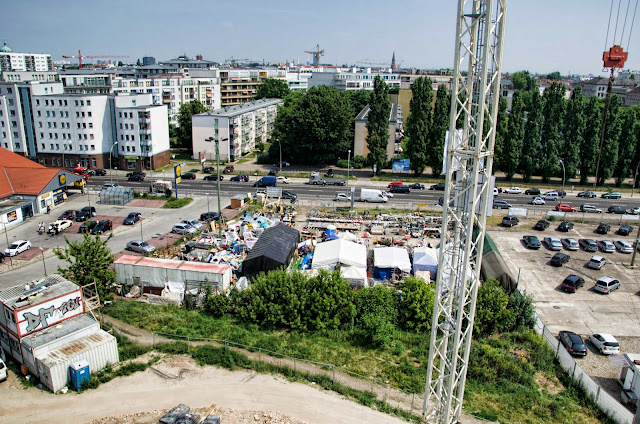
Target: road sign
(177, 173)
(274, 191)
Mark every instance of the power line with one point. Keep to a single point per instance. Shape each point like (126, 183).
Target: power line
(615, 31)
(626, 15)
(635, 9)
(606, 40)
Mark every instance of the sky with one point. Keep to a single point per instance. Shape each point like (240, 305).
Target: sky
(540, 36)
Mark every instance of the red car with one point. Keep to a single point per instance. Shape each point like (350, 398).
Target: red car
(394, 184)
(228, 169)
(565, 207)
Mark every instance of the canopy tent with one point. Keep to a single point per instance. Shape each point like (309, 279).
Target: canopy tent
(391, 258)
(425, 259)
(274, 249)
(330, 254)
(356, 276)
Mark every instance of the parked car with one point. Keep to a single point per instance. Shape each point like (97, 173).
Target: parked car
(553, 243)
(560, 259)
(623, 246)
(209, 216)
(532, 191)
(574, 343)
(605, 343)
(140, 246)
(572, 283)
(587, 194)
(617, 210)
(213, 177)
(417, 186)
(536, 201)
(634, 211)
(342, 197)
(60, 225)
(612, 195)
(273, 172)
(136, 177)
(282, 179)
(268, 181)
(100, 172)
(509, 221)
(195, 224)
(531, 242)
(588, 245)
(439, 187)
(70, 214)
(243, 178)
(513, 190)
(87, 226)
(183, 229)
(400, 189)
(136, 173)
(394, 184)
(570, 243)
(589, 209)
(208, 169)
(106, 186)
(551, 195)
(283, 163)
(17, 247)
(228, 169)
(624, 230)
(541, 225)
(500, 204)
(86, 213)
(565, 207)
(102, 227)
(606, 246)
(596, 262)
(132, 218)
(606, 285)
(565, 226)
(603, 229)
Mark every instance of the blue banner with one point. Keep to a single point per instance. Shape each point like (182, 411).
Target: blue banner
(400, 165)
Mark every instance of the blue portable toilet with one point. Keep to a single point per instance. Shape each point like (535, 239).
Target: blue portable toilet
(79, 371)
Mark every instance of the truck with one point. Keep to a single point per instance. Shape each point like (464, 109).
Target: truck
(315, 179)
(372, 195)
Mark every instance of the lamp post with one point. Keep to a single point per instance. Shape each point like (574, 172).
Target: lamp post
(7, 236)
(43, 262)
(208, 209)
(141, 236)
(348, 166)
(110, 167)
(210, 139)
(280, 146)
(635, 178)
(563, 174)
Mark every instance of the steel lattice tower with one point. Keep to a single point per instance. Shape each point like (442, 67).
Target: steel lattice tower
(468, 167)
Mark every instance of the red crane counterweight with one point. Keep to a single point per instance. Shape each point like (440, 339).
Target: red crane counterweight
(615, 57)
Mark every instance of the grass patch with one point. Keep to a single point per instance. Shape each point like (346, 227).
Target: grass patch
(174, 203)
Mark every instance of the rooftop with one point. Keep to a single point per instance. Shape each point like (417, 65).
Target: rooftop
(171, 264)
(50, 287)
(236, 110)
(60, 330)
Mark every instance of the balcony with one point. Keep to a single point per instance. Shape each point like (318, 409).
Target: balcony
(144, 121)
(145, 132)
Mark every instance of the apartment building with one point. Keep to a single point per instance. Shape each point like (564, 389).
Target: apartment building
(597, 87)
(352, 78)
(237, 129)
(360, 145)
(239, 86)
(11, 61)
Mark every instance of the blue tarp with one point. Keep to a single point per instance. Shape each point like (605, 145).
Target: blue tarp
(306, 261)
(382, 273)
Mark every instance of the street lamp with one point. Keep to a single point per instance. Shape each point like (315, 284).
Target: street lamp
(563, 174)
(141, 236)
(348, 166)
(208, 209)
(7, 236)
(280, 145)
(635, 178)
(43, 262)
(110, 167)
(210, 139)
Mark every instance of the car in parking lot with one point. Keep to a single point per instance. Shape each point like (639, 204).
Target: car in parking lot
(284, 164)
(553, 243)
(603, 229)
(85, 213)
(541, 225)
(439, 187)
(606, 246)
(574, 343)
(531, 242)
(565, 226)
(559, 259)
(140, 246)
(588, 245)
(510, 221)
(532, 191)
(624, 230)
(500, 204)
(228, 169)
(17, 247)
(208, 169)
(612, 195)
(619, 210)
(132, 218)
(623, 246)
(240, 178)
(605, 343)
(606, 285)
(513, 190)
(589, 209)
(195, 224)
(102, 227)
(400, 189)
(129, 174)
(70, 214)
(61, 225)
(565, 207)
(572, 283)
(596, 262)
(87, 226)
(634, 211)
(417, 186)
(209, 216)
(588, 194)
(570, 243)
(282, 179)
(394, 184)
(537, 201)
(183, 229)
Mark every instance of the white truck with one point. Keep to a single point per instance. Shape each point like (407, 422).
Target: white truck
(372, 195)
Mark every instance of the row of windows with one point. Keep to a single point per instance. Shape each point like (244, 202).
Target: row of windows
(127, 138)
(64, 114)
(127, 126)
(52, 102)
(67, 136)
(129, 149)
(15, 134)
(67, 147)
(67, 162)
(126, 114)
(14, 124)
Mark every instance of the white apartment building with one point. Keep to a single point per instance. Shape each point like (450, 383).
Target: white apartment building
(239, 86)
(10, 61)
(352, 78)
(236, 128)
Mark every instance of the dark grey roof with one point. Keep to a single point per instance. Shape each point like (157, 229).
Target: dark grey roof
(59, 330)
(275, 243)
(49, 287)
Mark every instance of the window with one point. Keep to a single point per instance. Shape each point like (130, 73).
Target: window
(56, 136)
(57, 147)
(84, 125)
(90, 136)
(79, 136)
(12, 112)
(81, 102)
(14, 124)
(120, 125)
(39, 114)
(17, 145)
(83, 114)
(121, 137)
(39, 124)
(59, 162)
(126, 126)
(42, 146)
(66, 113)
(93, 147)
(65, 103)
(120, 114)
(55, 125)
(77, 114)
(126, 137)
(133, 138)
(37, 102)
(41, 135)
(15, 134)
(84, 136)
(78, 125)
(90, 125)
(53, 113)
(94, 163)
(88, 102)
(48, 114)
(76, 103)
(51, 145)
(133, 149)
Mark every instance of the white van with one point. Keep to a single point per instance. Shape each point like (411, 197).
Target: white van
(373, 196)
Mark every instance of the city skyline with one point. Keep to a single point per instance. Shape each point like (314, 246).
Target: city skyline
(568, 37)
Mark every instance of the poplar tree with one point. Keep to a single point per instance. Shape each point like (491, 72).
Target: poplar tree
(626, 147)
(378, 124)
(551, 139)
(514, 137)
(590, 142)
(574, 125)
(418, 124)
(438, 130)
(501, 154)
(610, 144)
(531, 145)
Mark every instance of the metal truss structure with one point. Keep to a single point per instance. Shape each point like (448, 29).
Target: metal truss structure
(468, 166)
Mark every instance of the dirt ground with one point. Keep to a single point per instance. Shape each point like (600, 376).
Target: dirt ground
(240, 396)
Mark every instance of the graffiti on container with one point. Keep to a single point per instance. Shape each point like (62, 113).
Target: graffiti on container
(34, 321)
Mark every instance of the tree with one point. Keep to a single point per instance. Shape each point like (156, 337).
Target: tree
(610, 144)
(418, 124)
(359, 99)
(415, 309)
(138, 63)
(492, 315)
(514, 137)
(329, 302)
(500, 153)
(522, 80)
(626, 147)
(531, 146)
(89, 260)
(187, 110)
(314, 126)
(376, 314)
(574, 125)
(378, 124)
(438, 129)
(554, 76)
(590, 142)
(272, 88)
(551, 139)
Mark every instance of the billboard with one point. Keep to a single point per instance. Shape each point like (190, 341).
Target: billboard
(177, 173)
(203, 157)
(48, 313)
(400, 165)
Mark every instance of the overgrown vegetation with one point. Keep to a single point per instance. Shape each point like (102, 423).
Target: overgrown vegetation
(170, 202)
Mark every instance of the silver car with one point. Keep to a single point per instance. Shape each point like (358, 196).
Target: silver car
(596, 262)
(140, 246)
(553, 243)
(570, 244)
(623, 246)
(195, 224)
(606, 246)
(183, 229)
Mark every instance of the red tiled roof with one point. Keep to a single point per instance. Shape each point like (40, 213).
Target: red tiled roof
(19, 175)
(10, 159)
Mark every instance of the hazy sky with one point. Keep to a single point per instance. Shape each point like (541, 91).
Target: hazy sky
(541, 36)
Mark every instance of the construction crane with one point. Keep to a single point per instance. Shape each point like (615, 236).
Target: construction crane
(80, 56)
(317, 54)
(233, 61)
(469, 162)
(385, 64)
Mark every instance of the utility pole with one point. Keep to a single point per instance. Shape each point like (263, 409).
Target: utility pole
(349, 165)
(110, 167)
(218, 184)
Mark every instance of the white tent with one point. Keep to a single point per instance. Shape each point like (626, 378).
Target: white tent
(391, 257)
(330, 254)
(356, 276)
(347, 236)
(425, 259)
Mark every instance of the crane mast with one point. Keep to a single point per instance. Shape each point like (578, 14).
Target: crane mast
(468, 167)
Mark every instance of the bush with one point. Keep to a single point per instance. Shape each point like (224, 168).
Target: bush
(260, 146)
(167, 192)
(220, 356)
(264, 159)
(343, 163)
(360, 160)
(174, 203)
(175, 348)
(218, 305)
(492, 315)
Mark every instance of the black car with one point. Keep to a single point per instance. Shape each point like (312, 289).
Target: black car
(189, 176)
(132, 218)
(574, 343)
(208, 169)
(85, 213)
(587, 194)
(400, 189)
(288, 195)
(243, 178)
(625, 230)
(100, 172)
(209, 216)
(439, 186)
(617, 210)
(531, 242)
(274, 172)
(87, 226)
(129, 174)
(572, 283)
(213, 177)
(588, 245)
(102, 227)
(135, 177)
(509, 221)
(603, 229)
(541, 225)
(565, 226)
(532, 191)
(417, 186)
(283, 163)
(559, 259)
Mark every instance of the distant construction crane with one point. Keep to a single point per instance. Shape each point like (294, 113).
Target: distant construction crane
(233, 61)
(317, 54)
(80, 56)
(385, 64)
